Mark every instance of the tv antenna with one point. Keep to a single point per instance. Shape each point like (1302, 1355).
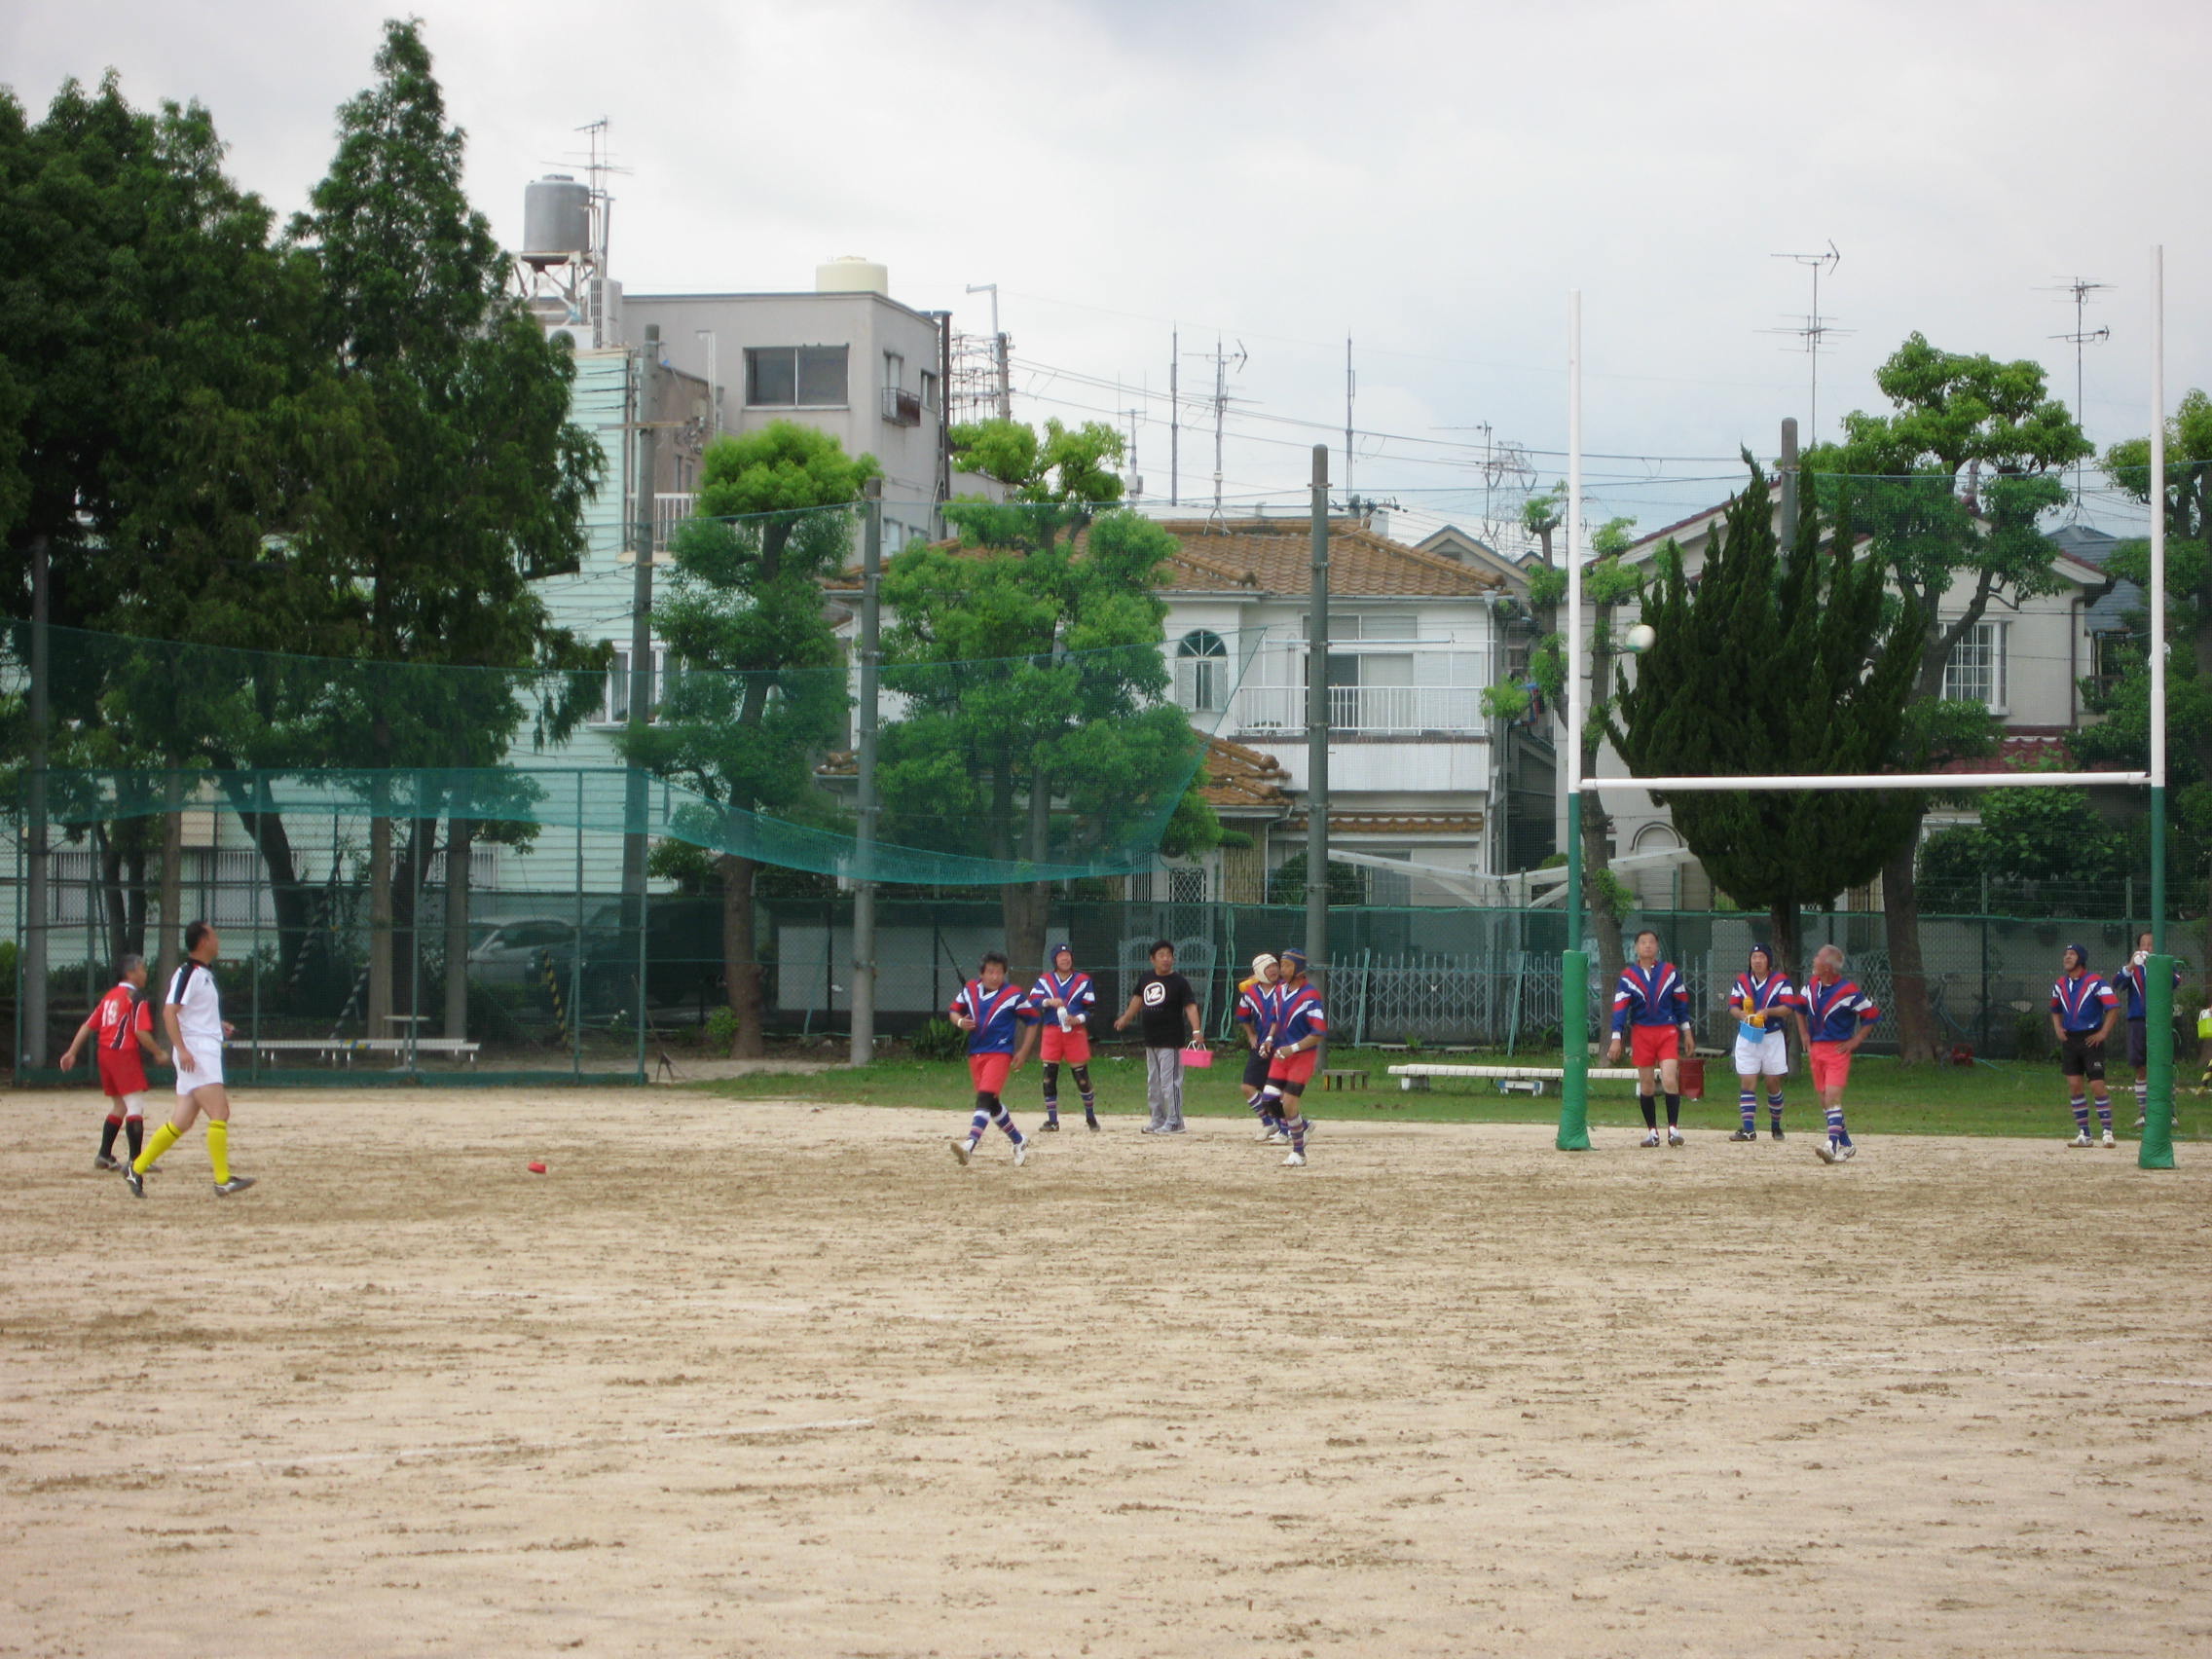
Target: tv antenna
(2079, 288)
(1816, 328)
(1221, 361)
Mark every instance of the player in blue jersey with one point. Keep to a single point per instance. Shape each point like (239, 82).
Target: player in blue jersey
(1652, 999)
(2139, 1021)
(2084, 1010)
(1836, 1015)
(993, 1014)
(1256, 1013)
(1761, 1000)
(1301, 1027)
(1064, 1000)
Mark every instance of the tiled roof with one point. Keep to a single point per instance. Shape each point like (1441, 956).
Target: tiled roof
(1396, 822)
(1277, 556)
(2109, 614)
(2021, 749)
(1242, 782)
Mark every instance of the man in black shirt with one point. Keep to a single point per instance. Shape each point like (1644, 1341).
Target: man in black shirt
(1170, 1017)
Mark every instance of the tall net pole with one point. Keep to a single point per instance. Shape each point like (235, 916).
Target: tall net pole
(2156, 1149)
(1574, 961)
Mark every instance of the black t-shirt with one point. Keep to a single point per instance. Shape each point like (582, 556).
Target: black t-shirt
(1161, 998)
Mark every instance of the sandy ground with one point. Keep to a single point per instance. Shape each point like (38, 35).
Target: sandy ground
(776, 1379)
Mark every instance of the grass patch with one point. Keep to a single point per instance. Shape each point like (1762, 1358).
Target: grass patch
(2008, 1098)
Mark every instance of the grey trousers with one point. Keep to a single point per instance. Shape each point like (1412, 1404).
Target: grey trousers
(1164, 1086)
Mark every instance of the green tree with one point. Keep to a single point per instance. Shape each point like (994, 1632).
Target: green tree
(450, 473)
(2033, 852)
(745, 610)
(1773, 664)
(1286, 882)
(2123, 738)
(1607, 584)
(1066, 466)
(1949, 485)
(1036, 723)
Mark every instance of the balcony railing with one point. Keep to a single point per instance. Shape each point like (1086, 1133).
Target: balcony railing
(902, 408)
(1365, 710)
(670, 509)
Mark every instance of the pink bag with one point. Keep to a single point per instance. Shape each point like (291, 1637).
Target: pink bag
(1201, 1058)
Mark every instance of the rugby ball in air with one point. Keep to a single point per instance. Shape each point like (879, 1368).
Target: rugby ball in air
(1641, 637)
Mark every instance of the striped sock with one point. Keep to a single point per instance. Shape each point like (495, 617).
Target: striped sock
(1747, 1103)
(978, 1124)
(1774, 1106)
(2142, 1100)
(1297, 1128)
(1836, 1127)
(1004, 1121)
(2081, 1108)
(2104, 1113)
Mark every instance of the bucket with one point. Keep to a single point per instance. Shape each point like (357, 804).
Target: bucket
(1692, 1069)
(1201, 1058)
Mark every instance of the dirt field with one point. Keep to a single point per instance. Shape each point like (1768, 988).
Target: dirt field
(775, 1379)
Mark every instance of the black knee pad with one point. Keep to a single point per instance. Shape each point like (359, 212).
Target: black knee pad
(1082, 1075)
(1053, 1079)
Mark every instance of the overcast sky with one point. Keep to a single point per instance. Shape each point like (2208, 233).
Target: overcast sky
(1431, 179)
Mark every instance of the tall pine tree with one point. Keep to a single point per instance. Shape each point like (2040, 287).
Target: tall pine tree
(1774, 664)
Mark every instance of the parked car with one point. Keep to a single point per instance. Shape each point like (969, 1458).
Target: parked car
(683, 956)
(514, 952)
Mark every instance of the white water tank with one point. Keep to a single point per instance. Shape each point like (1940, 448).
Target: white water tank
(556, 220)
(850, 274)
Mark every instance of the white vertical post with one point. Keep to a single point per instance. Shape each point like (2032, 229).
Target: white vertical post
(1573, 642)
(2157, 519)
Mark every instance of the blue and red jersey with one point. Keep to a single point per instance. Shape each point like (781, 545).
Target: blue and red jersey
(997, 1016)
(2131, 982)
(1074, 990)
(1650, 996)
(1256, 1009)
(1771, 995)
(2082, 1000)
(1834, 1010)
(1298, 1016)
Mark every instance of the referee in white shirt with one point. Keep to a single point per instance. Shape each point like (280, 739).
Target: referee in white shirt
(192, 1011)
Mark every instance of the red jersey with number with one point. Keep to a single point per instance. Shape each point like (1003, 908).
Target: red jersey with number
(119, 1017)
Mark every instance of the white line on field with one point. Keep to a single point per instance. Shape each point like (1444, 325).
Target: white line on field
(481, 1448)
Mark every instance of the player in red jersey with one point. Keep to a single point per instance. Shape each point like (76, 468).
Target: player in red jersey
(1294, 1048)
(122, 1023)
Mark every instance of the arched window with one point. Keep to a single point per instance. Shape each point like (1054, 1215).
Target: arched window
(1201, 672)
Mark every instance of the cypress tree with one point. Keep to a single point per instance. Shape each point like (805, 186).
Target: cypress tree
(1773, 663)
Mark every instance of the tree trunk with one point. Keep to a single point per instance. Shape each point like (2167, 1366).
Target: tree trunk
(1023, 908)
(291, 901)
(458, 839)
(172, 920)
(379, 926)
(1786, 943)
(1908, 977)
(135, 899)
(113, 924)
(741, 960)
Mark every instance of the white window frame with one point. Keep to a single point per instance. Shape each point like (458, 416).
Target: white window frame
(1201, 672)
(1986, 642)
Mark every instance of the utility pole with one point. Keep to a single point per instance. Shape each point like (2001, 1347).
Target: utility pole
(1352, 391)
(1221, 361)
(1789, 471)
(637, 786)
(1815, 329)
(998, 349)
(1174, 420)
(944, 420)
(1317, 732)
(2081, 288)
(864, 831)
(34, 886)
(1136, 478)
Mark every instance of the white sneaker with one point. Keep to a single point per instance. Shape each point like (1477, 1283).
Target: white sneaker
(1826, 1151)
(961, 1149)
(2139, 1123)
(1651, 1139)
(2081, 1139)
(1846, 1152)
(1295, 1161)
(1673, 1135)
(2108, 1140)
(1020, 1154)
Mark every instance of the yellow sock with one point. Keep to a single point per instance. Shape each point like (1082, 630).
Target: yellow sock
(164, 1137)
(219, 1149)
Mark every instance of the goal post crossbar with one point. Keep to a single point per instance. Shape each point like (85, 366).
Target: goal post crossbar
(1875, 781)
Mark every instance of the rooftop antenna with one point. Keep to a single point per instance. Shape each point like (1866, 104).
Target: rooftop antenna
(1221, 360)
(1816, 328)
(2081, 288)
(1133, 416)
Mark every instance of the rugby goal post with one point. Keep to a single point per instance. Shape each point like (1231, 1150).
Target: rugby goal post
(2156, 1149)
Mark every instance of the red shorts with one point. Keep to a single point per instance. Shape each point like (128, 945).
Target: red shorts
(1295, 1068)
(123, 1072)
(1832, 1066)
(1652, 1044)
(1073, 1046)
(990, 1072)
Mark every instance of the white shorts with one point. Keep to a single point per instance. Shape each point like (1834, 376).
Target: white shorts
(1769, 1054)
(209, 1059)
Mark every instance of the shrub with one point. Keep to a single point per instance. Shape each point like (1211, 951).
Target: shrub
(938, 1040)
